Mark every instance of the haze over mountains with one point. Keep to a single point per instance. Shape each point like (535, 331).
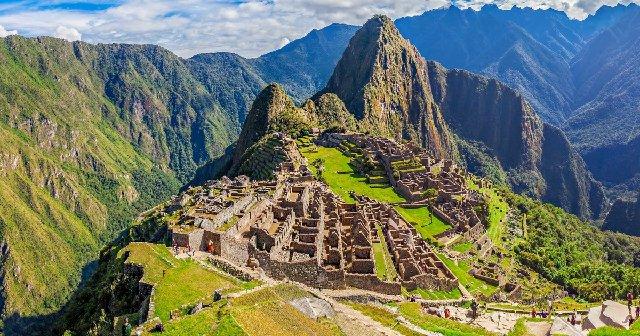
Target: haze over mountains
(93, 134)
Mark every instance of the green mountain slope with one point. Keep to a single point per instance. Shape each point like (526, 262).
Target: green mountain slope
(70, 180)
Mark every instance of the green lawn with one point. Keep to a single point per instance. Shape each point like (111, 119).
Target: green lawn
(437, 295)
(461, 271)
(212, 321)
(178, 282)
(385, 269)
(426, 223)
(382, 316)
(498, 209)
(462, 247)
(609, 331)
(341, 178)
(412, 311)
(266, 312)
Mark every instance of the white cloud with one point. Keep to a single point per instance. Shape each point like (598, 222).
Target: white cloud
(69, 34)
(5, 33)
(250, 28)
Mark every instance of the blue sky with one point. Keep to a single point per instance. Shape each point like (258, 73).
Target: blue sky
(247, 27)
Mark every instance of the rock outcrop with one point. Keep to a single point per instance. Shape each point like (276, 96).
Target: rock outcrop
(272, 111)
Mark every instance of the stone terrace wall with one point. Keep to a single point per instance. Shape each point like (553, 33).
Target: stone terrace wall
(373, 283)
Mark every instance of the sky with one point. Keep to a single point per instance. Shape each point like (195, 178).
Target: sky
(247, 27)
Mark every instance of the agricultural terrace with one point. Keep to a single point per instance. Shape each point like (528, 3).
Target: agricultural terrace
(178, 282)
(461, 270)
(426, 223)
(498, 209)
(262, 312)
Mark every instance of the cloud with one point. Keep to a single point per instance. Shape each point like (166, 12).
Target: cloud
(247, 27)
(69, 34)
(5, 33)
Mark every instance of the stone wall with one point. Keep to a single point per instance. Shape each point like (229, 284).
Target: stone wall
(232, 269)
(373, 283)
(192, 239)
(235, 250)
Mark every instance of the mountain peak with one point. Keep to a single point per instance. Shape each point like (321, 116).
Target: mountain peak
(383, 81)
(272, 111)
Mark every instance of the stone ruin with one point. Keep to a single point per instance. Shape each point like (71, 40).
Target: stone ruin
(294, 227)
(425, 181)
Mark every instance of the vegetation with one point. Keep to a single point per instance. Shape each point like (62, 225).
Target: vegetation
(426, 223)
(609, 331)
(437, 295)
(461, 270)
(170, 276)
(71, 176)
(498, 208)
(412, 312)
(384, 317)
(574, 254)
(462, 247)
(342, 179)
(384, 266)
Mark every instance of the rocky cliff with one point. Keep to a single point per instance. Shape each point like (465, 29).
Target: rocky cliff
(537, 157)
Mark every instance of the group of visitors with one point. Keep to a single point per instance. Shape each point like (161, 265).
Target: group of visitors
(541, 314)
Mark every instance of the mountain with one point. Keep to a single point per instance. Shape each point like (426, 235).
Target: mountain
(303, 66)
(258, 152)
(88, 143)
(383, 81)
(526, 49)
(624, 217)
(94, 134)
(382, 78)
(605, 126)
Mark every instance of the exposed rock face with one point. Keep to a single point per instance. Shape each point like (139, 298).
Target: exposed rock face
(624, 217)
(536, 156)
(481, 109)
(383, 81)
(569, 184)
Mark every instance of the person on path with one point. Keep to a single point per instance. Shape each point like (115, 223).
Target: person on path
(534, 314)
(126, 327)
(474, 309)
(638, 310)
(629, 301)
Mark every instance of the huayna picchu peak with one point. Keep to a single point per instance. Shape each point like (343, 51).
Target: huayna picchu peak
(383, 81)
(348, 183)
